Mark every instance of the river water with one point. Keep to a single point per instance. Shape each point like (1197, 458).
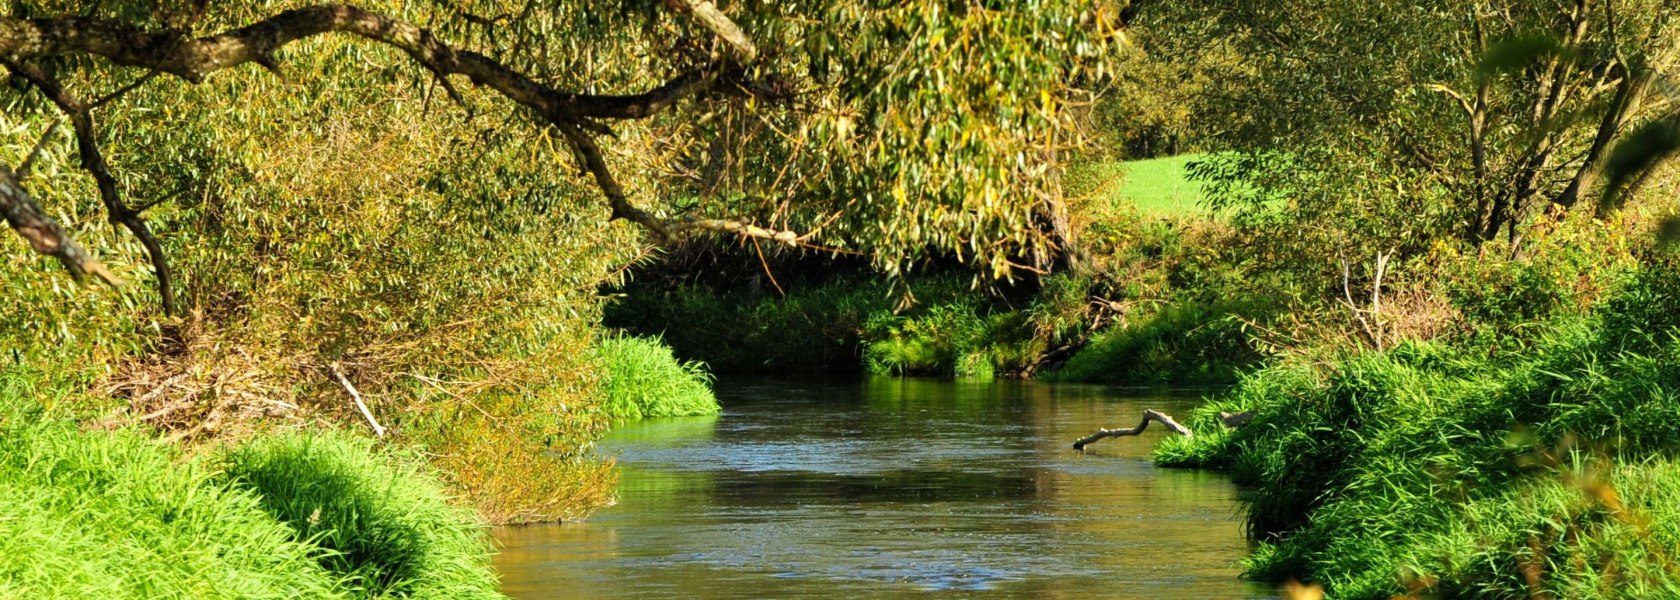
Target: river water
(894, 488)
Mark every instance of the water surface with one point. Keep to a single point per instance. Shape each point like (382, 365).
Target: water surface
(893, 488)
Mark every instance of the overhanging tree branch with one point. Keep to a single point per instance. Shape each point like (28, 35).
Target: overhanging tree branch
(25, 40)
(93, 160)
(708, 15)
(44, 234)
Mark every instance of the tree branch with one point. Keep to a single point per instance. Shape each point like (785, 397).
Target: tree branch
(708, 15)
(44, 234)
(93, 160)
(1148, 415)
(25, 40)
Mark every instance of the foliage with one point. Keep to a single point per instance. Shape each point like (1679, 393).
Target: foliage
(815, 328)
(1373, 465)
(644, 380)
(1388, 126)
(957, 338)
(313, 219)
(1565, 266)
(1176, 343)
(384, 524)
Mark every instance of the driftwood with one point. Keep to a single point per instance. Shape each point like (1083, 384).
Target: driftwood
(1150, 414)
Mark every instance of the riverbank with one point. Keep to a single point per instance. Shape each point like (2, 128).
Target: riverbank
(122, 515)
(1452, 420)
(1434, 469)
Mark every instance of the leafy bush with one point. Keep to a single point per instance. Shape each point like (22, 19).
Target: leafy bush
(383, 522)
(645, 380)
(1564, 267)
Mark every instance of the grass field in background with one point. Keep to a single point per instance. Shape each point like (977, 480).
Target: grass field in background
(1158, 187)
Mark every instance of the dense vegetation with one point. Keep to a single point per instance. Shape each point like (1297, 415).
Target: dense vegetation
(1434, 468)
(645, 380)
(1436, 264)
(1429, 242)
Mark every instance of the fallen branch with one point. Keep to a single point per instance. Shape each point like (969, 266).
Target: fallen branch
(1228, 418)
(1149, 414)
(378, 430)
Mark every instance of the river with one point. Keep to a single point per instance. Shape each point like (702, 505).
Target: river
(889, 488)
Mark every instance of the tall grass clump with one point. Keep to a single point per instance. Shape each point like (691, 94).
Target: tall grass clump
(1442, 471)
(382, 522)
(644, 379)
(117, 515)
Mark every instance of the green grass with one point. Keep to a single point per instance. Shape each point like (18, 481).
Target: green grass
(1447, 472)
(645, 380)
(1181, 343)
(1156, 187)
(118, 515)
(383, 523)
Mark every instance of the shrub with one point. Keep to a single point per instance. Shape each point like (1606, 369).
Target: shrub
(644, 380)
(1453, 467)
(1180, 343)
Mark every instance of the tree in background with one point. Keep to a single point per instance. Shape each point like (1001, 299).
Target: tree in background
(1400, 122)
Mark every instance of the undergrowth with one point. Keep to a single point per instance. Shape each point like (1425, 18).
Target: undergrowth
(1439, 470)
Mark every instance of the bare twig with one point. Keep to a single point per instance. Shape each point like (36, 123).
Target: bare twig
(378, 430)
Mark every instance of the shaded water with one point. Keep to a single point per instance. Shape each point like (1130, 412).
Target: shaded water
(893, 487)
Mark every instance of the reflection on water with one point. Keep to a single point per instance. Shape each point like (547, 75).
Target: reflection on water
(893, 487)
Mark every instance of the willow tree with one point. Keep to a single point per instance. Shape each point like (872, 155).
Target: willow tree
(901, 129)
(420, 198)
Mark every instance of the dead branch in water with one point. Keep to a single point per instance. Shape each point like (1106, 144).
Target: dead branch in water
(1150, 414)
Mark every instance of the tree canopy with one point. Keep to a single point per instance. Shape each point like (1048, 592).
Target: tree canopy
(1410, 121)
(894, 130)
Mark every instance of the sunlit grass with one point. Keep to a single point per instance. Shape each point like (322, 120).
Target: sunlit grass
(1156, 187)
(382, 522)
(1446, 472)
(645, 380)
(120, 515)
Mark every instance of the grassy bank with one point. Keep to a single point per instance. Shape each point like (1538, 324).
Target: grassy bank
(120, 515)
(1439, 470)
